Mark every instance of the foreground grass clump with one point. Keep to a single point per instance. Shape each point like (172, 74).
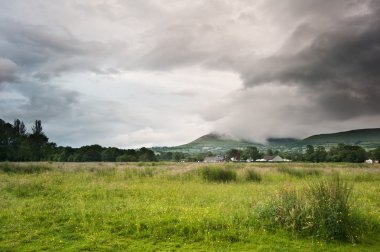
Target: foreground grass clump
(217, 174)
(252, 175)
(331, 206)
(322, 210)
(19, 168)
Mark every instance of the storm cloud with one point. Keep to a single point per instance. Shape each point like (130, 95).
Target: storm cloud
(133, 73)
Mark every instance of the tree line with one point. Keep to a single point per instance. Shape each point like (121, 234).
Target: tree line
(16, 144)
(339, 153)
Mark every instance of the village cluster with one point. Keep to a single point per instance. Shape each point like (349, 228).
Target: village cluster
(219, 158)
(277, 158)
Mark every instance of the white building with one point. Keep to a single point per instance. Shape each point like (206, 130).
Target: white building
(369, 161)
(215, 159)
(273, 159)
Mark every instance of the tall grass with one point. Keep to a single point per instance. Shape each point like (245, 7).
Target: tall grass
(322, 210)
(287, 210)
(168, 208)
(331, 208)
(252, 175)
(300, 173)
(104, 171)
(140, 172)
(217, 174)
(23, 168)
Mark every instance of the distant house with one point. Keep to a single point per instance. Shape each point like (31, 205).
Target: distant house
(369, 161)
(274, 159)
(261, 160)
(214, 159)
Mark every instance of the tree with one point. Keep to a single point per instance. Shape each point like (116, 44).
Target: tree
(252, 153)
(19, 126)
(110, 154)
(37, 128)
(90, 153)
(178, 156)
(320, 154)
(310, 153)
(145, 155)
(38, 141)
(234, 154)
(269, 152)
(347, 153)
(7, 141)
(375, 154)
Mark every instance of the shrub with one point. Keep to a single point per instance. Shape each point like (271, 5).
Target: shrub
(330, 203)
(252, 175)
(217, 174)
(323, 210)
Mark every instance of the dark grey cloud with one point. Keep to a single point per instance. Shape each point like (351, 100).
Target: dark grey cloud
(47, 51)
(341, 66)
(38, 101)
(8, 70)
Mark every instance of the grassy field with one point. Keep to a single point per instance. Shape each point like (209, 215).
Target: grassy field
(181, 206)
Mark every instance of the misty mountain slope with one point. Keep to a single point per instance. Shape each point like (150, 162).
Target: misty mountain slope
(216, 143)
(219, 143)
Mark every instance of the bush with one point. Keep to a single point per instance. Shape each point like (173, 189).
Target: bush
(252, 175)
(321, 210)
(20, 168)
(217, 174)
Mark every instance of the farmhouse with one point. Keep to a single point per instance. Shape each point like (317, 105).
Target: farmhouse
(369, 161)
(273, 159)
(214, 159)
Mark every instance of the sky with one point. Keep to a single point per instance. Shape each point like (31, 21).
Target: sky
(129, 73)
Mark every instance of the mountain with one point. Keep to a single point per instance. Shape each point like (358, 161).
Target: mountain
(219, 143)
(213, 142)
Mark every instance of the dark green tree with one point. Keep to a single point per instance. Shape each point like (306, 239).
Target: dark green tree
(146, 155)
(234, 154)
(320, 154)
(38, 141)
(375, 154)
(252, 153)
(310, 155)
(110, 154)
(270, 152)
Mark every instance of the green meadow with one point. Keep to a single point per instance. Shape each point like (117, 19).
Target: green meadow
(189, 207)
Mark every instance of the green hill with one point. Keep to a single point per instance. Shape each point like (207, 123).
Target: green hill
(368, 138)
(216, 143)
(219, 143)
